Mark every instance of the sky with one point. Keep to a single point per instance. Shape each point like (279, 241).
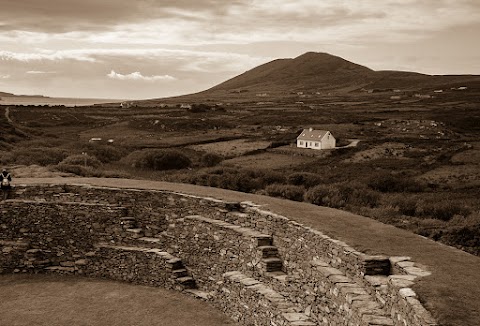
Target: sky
(140, 49)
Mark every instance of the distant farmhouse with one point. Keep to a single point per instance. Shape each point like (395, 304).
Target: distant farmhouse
(316, 139)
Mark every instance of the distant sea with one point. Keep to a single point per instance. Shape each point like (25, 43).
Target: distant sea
(33, 100)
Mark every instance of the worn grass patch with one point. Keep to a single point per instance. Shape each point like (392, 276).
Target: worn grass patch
(58, 301)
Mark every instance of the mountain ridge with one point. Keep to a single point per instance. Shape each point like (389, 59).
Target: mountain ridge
(322, 74)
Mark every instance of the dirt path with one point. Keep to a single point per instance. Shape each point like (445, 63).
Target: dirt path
(451, 293)
(353, 143)
(10, 121)
(7, 115)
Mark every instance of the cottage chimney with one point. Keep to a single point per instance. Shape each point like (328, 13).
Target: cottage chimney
(310, 129)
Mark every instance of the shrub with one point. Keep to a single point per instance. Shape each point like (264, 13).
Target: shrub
(210, 159)
(341, 195)
(79, 170)
(285, 191)
(386, 182)
(357, 194)
(105, 153)
(82, 160)
(305, 179)
(467, 237)
(443, 210)
(159, 159)
(35, 156)
(270, 177)
(229, 178)
(318, 195)
(406, 206)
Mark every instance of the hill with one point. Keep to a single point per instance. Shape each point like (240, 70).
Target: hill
(308, 71)
(6, 94)
(321, 74)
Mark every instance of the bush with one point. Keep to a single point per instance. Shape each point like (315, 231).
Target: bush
(467, 237)
(285, 191)
(82, 160)
(210, 159)
(229, 178)
(159, 159)
(34, 156)
(406, 206)
(79, 170)
(318, 195)
(305, 179)
(105, 153)
(270, 177)
(386, 182)
(341, 195)
(442, 210)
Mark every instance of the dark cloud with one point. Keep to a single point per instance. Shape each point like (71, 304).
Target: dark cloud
(60, 16)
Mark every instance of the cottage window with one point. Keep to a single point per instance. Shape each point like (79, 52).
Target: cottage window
(316, 144)
(301, 142)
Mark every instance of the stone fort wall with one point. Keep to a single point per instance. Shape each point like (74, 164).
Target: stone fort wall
(258, 267)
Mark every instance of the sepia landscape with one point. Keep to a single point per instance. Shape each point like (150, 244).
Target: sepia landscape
(227, 205)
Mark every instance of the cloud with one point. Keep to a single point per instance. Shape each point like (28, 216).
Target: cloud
(4, 76)
(60, 16)
(39, 72)
(199, 22)
(48, 55)
(138, 76)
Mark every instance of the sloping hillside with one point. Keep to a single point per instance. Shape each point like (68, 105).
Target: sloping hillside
(320, 74)
(308, 71)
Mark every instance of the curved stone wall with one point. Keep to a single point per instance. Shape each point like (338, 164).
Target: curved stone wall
(260, 268)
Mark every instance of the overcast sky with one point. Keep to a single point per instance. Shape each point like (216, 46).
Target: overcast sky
(155, 48)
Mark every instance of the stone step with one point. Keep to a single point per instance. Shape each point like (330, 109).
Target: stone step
(199, 294)
(135, 233)
(268, 251)
(187, 282)
(127, 218)
(272, 264)
(376, 265)
(149, 240)
(264, 240)
(178, 273)
(174, 264)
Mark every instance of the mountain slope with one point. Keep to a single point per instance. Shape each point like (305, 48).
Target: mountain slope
(310, 70)
(320, 74)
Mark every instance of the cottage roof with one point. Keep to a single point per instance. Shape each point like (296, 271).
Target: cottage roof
(312, 134)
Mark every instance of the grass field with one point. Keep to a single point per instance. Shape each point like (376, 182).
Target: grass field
(59, 301)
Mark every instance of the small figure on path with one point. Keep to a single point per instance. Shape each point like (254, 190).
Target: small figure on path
(5, 183)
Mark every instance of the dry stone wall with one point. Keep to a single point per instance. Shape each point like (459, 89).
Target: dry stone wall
(259, 267)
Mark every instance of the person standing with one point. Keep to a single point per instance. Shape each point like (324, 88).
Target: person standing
(5, 183)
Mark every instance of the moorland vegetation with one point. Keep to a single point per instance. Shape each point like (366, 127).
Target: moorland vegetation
(417, 165)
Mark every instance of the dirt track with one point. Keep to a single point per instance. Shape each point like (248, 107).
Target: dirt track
(451, 293)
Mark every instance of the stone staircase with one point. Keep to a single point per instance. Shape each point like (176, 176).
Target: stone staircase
(267, 255)
(357, 301)
(129, 225)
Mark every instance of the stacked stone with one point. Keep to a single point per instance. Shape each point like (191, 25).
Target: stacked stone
(149, 266)
(251, 302)
(36, 260)
(66, 231)
(12, 255)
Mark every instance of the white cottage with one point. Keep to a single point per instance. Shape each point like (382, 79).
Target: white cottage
(316, 139)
